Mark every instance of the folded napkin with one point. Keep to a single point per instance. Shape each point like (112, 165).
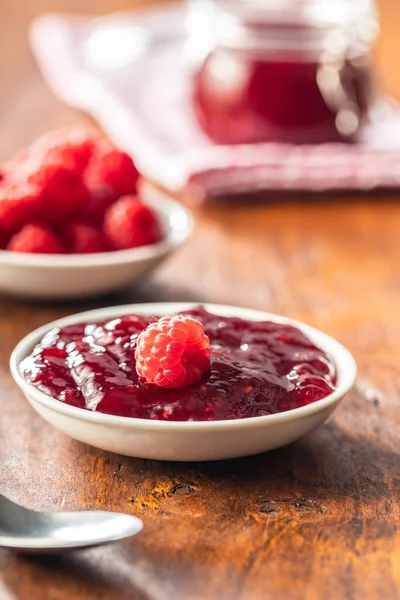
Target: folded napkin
(130, 72)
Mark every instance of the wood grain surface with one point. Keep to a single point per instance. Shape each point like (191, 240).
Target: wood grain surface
(317, 520)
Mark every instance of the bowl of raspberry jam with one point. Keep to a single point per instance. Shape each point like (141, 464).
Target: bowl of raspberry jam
(291, 71)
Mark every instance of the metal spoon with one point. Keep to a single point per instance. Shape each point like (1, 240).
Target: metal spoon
(48, 533)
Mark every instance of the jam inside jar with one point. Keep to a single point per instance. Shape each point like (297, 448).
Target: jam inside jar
(296, 71)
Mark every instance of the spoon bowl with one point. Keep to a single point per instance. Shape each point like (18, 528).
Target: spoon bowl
(35, 532)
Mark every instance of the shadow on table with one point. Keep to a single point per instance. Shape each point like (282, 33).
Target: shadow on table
(148, 291)
(84, 575)
(329, 463)
(317, 474)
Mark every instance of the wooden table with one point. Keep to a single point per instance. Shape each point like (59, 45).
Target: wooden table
(316, 520)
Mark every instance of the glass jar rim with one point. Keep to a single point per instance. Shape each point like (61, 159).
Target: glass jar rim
(271, 25)
(306, 13)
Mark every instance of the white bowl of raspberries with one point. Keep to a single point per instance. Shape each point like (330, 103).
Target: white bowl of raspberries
(72, 222)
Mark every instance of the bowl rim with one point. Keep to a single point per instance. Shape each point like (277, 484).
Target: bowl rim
(176, 234)
(342, 358)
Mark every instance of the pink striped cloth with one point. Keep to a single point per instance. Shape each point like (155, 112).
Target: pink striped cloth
(131, 72)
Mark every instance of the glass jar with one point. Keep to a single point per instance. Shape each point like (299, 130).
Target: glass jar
(282, 70)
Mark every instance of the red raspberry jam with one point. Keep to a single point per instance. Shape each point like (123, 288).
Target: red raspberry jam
(257, 368)
(278, 99)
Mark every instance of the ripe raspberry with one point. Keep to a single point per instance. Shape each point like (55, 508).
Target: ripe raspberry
(129, 223)
(4, 239)
(72, 147)
(173, 353)
(63, 190)
(19, 203)
(37, 239)
(83, 238)
(99, 199)
(114, 168)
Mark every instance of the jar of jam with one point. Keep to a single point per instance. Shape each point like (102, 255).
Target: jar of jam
(295, 71)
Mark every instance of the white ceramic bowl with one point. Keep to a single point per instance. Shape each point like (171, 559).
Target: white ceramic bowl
(75, 276)
(187, 441)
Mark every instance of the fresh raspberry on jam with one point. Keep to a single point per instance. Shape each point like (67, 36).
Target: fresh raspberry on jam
(62, 187)
(84, 238)
(174, 352)
(19, 202)
(114, 168)
(37, 239)
(129, 223)
(73, 147)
